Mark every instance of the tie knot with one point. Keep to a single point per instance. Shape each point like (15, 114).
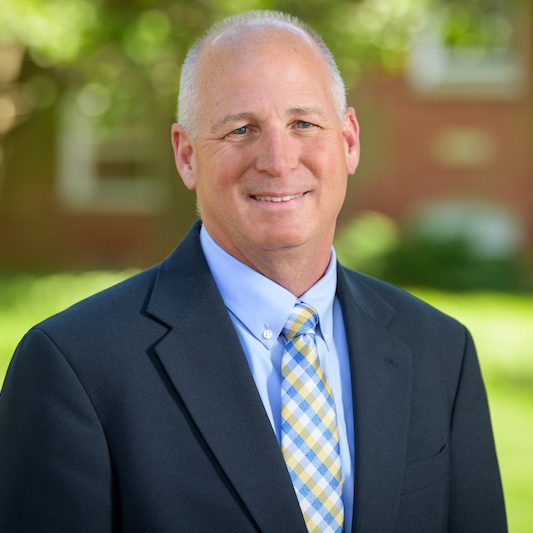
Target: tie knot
(302, 320)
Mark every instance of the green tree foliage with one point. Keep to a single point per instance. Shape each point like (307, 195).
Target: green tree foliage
(124, 55)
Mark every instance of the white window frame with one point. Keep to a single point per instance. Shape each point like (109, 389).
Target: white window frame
(435, 69)
(78, 184)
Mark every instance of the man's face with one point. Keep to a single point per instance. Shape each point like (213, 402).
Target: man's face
(271, 158)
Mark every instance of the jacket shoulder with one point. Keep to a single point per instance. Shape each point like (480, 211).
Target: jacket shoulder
(408, 312)
(116, 300)
(400, 299)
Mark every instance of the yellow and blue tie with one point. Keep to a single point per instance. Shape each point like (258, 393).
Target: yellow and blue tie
(309, 434)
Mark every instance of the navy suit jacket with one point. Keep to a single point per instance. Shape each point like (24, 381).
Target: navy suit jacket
(135, 411)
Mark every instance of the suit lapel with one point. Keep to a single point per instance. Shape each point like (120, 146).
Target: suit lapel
(204, 360)
(381, 389)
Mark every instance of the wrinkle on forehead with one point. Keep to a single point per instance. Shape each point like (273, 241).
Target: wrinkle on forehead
(241, 56)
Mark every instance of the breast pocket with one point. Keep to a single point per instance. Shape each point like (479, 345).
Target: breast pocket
(424, 502)
(427, 472)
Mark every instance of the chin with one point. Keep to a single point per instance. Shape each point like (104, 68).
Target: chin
(285, 240)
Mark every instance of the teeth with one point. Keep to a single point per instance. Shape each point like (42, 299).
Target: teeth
(277, 198)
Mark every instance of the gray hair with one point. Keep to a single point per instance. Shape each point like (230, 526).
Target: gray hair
(188, 99)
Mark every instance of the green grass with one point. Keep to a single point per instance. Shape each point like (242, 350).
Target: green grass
(27, 299)
(502, 326)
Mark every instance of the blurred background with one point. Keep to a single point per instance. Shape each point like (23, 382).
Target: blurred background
(442, 203)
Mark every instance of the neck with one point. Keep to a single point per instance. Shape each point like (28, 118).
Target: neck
(296, 272)
(296, 269)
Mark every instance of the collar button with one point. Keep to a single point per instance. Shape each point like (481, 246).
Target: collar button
(267, 334)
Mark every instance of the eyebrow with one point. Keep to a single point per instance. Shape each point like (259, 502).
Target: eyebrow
(311, 110)
(249, 116)
(233, 117)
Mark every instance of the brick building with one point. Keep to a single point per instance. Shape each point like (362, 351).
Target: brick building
(452, 126)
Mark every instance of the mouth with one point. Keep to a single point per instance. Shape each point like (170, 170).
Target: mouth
(278, 199)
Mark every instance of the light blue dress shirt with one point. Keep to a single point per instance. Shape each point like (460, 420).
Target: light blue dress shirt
(259, 308)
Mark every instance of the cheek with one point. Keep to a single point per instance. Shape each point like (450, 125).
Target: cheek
(327, 161)
(326, 152)
(222, 169)
(219, 187)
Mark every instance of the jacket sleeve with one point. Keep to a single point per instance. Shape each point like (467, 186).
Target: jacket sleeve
(476, 499)
(55, 472)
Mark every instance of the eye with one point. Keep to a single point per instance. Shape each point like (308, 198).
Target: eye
(303, 125)
(243, 130)
(242, 133)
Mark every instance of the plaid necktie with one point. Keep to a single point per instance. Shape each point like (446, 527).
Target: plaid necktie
(309, 434)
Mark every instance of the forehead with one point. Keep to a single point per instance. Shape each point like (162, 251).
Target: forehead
(258, 35)
(247, 43)
(250, 64)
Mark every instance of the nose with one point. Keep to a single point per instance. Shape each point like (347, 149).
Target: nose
(278, 153)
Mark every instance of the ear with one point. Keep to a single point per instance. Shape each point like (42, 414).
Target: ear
(184, 156)
(350, 131)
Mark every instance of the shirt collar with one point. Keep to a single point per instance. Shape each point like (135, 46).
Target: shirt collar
(259, 303)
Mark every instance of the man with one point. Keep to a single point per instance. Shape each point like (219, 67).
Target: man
(248, 382)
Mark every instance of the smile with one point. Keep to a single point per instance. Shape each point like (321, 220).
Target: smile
(278, 198)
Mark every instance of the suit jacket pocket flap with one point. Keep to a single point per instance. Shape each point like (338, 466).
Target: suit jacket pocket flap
(427, 472)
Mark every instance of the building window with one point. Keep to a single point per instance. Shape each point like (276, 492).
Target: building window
(106, 170)
(471, 47)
